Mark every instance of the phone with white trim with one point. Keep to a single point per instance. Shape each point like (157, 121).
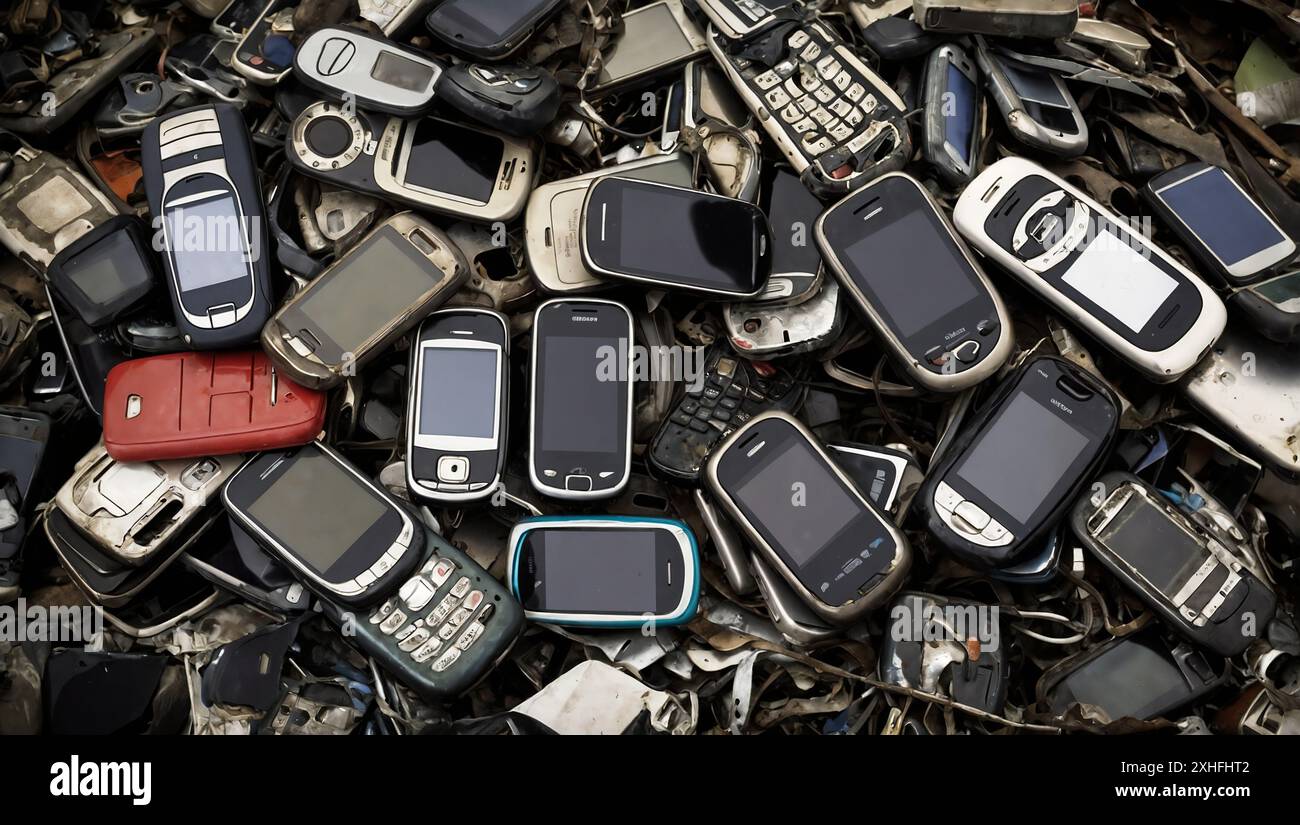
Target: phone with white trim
(458, 406)
(343, 63)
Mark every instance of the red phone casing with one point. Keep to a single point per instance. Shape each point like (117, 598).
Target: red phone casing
(193, 404)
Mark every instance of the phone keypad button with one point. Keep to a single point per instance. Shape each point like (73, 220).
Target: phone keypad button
(993, 531)
(426, 651)
(461, 587)
(446, 660)
(446, 632)
(441, 572)
(970, 513)
(443, 610)
(417, 593)
(471, 635)
(798, 40)
(383, 611)
(777, 98)
(389, 626)
(946, 497)
(767, 80)
(474, 600)
(459, 618)
(404, 631)
(417, 637)
(841, 132)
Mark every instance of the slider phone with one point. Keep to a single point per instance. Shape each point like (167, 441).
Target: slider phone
(807, 519)
(1173, 565)
(189, 404)
(457, 412)
(201, 181)
(376, 74)
(604, 571)
(916, 283)
(580, 429)
(444, 629)
(424, 163)
(344, 536)
(1091, 266)
(106, 272)
(394, 276)
(675, 237)
(954, 114)
(1016, 466)
(1227, 232)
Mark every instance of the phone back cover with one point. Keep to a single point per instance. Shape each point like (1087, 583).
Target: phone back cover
(193, 404)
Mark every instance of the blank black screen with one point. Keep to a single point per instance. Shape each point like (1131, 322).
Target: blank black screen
(598, 571)
(579, 412)
(678, 235)
(449, 158)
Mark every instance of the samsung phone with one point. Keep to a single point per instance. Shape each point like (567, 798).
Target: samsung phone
(1227, 232)
(1173, 565)
(1018, 463)
(372, 72)
(840, 553)
(580, 428)
(552, 222)
(604, 571)
(191, 404)
(916, 283)
(675, 237)
(394, 276)
(425, 163)
(954, 114)
(457, 411)
(201, 180)
(343, 535)
(488, 31)
(1092, 266)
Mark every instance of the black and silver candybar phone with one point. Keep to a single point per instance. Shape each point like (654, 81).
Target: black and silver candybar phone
(200, 177)
(341, 533)
(916, 283)
(458, 407)
(580, 444)
(1019, 462)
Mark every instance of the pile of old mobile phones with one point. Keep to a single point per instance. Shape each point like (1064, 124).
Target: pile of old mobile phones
(916, 283)
(373, 72)
(553, 220)
(342, 534)
(383, 286)
(458, 409)
(425, 163)
(580, 428)
(1092, 266)
(954, 114)
(488, 31)
(1227, 232)
(1035, 104)
(807, 518)
(446, 626)
(730, 391)
(1142, 676)
(134, 509)
(190, 404)
(23, 436)
(676, 237)
(604, 571)
(1174, 566)
(201, 180)
(1017, 465)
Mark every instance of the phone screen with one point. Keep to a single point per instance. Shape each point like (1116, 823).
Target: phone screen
(1280, 290)
(1120, 279)
(484, 23)
(1129, 679)
(652, 38)
(448, 158)
(1221, 215)
(1022, 457)
(581, 406)
(959, 124)
(98, 271)
(909, 269)
(402, 72)
(591, 570)
(317, 509)
(206, 242)
(1164, 554)
(1034, 86)
(682, 235)
(458, 392)
(368, 290)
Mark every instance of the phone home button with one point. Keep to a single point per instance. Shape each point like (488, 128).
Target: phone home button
(453, 469)
(222, 316)
(577, 483)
